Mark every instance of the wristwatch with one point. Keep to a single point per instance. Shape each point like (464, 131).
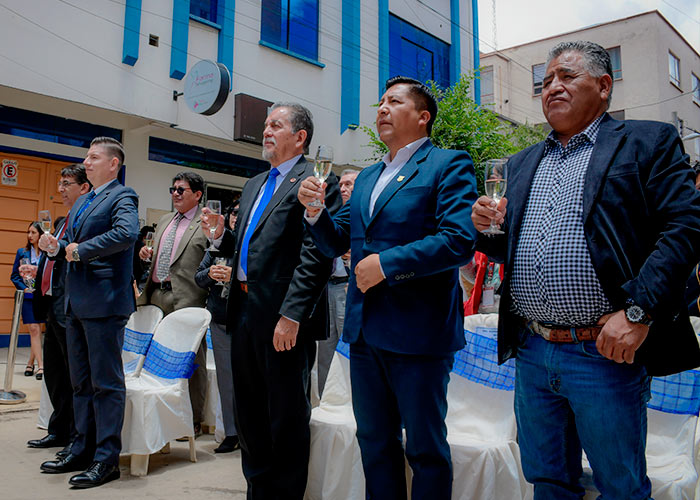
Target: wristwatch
(76, 255)
(635, 313)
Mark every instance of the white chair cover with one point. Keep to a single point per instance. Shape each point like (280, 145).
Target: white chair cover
(212, 403)
(142, 321)
(335, 465)
(45, 407)
(481, 431)
(158, 409)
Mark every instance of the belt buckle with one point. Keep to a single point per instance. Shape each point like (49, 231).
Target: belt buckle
(540, 329)
(164, 285)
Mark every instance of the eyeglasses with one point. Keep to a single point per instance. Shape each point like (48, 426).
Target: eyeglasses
(65, 184)
(234, 211)
(180, 190)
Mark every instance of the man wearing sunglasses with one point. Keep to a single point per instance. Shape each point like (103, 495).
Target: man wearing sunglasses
(177, 251)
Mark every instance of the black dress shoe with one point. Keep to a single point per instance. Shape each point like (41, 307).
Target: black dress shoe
(229, 444)
(97, 474)
(70, 463)
(48, 441)
(64, 452)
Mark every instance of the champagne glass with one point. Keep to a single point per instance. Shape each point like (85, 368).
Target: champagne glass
(220, 261)
(45, 220)
(149, 240)
(322, 169)
(214, 207)
(28, 280)
(495, 184)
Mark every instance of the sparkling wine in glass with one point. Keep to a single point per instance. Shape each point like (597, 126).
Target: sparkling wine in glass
(495, 185)
(322, 168)
(214, 207)
(45, 220)
(28, 280)
(220, 261)
(149, 240)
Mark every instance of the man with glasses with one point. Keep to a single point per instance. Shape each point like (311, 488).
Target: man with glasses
(178, 249)
(49, 304)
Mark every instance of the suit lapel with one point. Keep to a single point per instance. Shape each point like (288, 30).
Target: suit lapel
(610, 138)
(519, 183)
(292, 179)
(401, 178)
(191, 230)
(365, 195)
(95, 203)
(247, 201)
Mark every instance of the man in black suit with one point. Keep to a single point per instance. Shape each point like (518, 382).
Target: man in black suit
(601, 229)
(276, 310)
(49, 304)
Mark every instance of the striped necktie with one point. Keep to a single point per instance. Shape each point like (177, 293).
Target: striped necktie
(166, 250)
(47, 275)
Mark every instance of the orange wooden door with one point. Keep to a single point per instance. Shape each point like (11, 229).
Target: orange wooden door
(36, 189)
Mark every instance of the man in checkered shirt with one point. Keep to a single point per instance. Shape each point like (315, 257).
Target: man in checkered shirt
(602, 226)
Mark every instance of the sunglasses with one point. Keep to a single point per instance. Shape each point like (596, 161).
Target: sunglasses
(180, 190)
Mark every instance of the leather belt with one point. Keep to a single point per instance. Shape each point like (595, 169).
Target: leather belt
(337, 280)
(555, 333)
(166, 286)
(244, 286)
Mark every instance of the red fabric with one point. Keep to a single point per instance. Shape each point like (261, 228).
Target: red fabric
(471, 306)
(48, 268)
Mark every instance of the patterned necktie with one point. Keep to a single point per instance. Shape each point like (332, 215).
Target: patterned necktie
(83, 207)
(166, 250)
(47, 276)
(267, 195)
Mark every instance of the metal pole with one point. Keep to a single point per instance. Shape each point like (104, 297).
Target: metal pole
(8, 396)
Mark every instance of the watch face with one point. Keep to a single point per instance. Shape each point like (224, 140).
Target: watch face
(635, 314)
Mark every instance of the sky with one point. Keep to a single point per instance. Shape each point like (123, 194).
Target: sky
(522, 21)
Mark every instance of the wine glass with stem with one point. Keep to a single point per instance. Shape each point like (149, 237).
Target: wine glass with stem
(149, 240)
(322, 169)
(45, 220)
(214, 207)
(28, 280)
(495, 183)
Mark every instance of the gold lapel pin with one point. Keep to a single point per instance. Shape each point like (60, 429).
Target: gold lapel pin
(400, 178)
(293, 179)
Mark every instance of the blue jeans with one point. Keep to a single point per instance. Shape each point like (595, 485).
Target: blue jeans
(569, 397)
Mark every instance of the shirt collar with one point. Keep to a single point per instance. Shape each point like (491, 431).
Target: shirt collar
(590, 133)
(189, 215)
(101, 188)
(405, 153)
(286, 166)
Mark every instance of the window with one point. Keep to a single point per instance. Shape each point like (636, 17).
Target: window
(674, 70)
(204, 9)
(487, 85)
(616, 61)
(695, 81)
(291, 25)
(417, 54)
(537, 77)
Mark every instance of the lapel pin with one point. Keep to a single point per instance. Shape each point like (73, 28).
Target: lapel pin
(293, 179)
(400, 178)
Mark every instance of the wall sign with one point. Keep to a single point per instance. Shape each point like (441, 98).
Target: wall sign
(207, 87)
(9, 172)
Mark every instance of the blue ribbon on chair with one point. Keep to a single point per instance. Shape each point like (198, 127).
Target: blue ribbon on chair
(478, 360)
(167, 363)
(678, 393)
(136, 342)
(343, 348)
(209, 344)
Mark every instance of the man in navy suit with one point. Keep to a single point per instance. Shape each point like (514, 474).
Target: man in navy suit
(408, 228)
(98, 245)
(601, 230)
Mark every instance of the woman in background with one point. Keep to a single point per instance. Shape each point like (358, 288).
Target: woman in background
(30, 251)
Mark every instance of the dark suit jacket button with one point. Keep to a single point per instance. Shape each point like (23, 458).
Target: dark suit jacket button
(368, 239)
(397, 277)
(411, 274)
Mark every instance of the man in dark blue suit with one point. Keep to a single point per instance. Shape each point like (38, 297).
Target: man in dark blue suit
(408, 228)
(601, 230)
(98, 245)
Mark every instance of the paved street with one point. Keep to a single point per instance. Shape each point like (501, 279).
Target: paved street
(170, 476)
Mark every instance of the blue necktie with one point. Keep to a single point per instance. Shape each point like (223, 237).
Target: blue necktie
(266, 196)
(84, 206)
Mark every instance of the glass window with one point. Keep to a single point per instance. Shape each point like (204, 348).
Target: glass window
(487, 96)
(616, 61)
(291, 25)
(674, 69)
(537, 77)
(206, 9)
(696, 87)
(417, 54)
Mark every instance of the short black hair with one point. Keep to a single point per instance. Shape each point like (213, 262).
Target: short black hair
(195, 181)
(421, 95)
(77, 172)
(113, 147)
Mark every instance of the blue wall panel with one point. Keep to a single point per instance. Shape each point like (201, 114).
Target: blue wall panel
(226, 18)
(178, 51)
(383, 53)
(455, 52)
(132, 27)
(350, 71)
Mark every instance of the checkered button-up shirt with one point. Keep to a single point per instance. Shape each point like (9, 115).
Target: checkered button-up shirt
(553, 276)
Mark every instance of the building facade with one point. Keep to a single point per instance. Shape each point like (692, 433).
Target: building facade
(76, 69)
(656, 74)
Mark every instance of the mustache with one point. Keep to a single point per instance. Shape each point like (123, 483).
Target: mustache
(270, 140)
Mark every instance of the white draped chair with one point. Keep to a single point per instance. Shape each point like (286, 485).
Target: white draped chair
(137, 337)
(158, 407)
(335, 465)
(213, 418)
(481, 428)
